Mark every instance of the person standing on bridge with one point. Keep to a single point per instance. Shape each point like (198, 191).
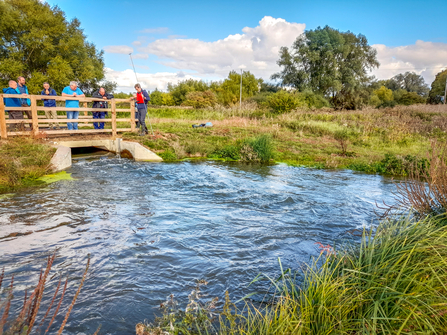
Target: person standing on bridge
(142, 98)
(51, 103)
(72, 91)
(13, 102)
(25, 102)
(100, 94)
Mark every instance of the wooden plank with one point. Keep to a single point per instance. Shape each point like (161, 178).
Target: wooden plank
(68, 132)
(3, 129)
(61, 98)
(41, 120)
(34, 116)
(132, 116)
(113, 119)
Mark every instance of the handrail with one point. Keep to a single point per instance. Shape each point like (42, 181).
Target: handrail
(35, 120)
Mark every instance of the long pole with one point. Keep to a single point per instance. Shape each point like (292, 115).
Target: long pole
(240, 94)
(445, 91)
(133, 67)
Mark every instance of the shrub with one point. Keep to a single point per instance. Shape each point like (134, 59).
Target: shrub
(284, 102)
(342, 137)
(260, 148)
(200, 99)
(314, 100)
(410, 98)
(168, 155)
(230, 152)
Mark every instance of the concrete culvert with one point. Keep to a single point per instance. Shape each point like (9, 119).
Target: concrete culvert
(126, 154)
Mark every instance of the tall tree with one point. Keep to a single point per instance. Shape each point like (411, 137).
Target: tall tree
(331, 63)
(438, 87)
(410, 82)
(37, 42)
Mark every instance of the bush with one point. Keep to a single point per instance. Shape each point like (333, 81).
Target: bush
(314, 100)
(168, 155)
(260, 149)
(342, 137)
(411, 98)
(200, 99)
(284, 102)
(229, 152)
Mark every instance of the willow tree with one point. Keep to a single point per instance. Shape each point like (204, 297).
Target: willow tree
(37, 42)
(331, 63)
(438, 87)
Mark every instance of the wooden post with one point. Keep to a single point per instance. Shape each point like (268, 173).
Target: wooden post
(132, 115)
(3, 129)
(34, 116)
(85, 112)
(113, 119)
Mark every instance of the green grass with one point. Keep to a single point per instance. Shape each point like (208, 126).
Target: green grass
(22, 162)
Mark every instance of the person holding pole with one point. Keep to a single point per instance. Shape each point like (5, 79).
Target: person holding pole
(100, 94)
(50, 103)
(142, 98)
(72, 91)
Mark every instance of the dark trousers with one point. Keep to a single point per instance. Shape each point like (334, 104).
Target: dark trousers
(140, 115)
(99, 115)
(29, 115)
(16, 115)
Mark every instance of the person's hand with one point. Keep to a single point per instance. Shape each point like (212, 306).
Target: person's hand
(134, 95)
(104, 97)
(47, 92)
(74, 94)
(24, 94)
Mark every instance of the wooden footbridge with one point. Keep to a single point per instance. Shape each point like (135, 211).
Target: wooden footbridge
(121, 116)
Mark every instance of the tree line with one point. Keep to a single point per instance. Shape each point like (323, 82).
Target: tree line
(323, 68)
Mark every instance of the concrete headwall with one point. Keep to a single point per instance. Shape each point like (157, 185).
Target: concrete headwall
(62, 158)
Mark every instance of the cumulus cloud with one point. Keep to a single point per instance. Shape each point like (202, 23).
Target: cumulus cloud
(150, 81)
(118, 49)
(257, 48)
(424, 58)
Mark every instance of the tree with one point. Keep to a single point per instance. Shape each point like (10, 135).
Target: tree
(410, 82)
(331, 63)
(182, 88)
(37, 42)
(437, 90)
(200, 99)
(228, 91)
(384, 94)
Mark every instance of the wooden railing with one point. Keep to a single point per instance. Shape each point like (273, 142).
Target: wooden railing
(38, 120)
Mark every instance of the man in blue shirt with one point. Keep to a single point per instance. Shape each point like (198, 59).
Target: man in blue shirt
(50, 114)
(25, 102)
(72, 91)
(13, 102)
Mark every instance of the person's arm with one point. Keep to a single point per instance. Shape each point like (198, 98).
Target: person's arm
(53, 92)
(146, 96)
(79, 93)
(96, 95)
(110, 96)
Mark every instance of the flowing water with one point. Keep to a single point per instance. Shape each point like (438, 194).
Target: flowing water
(155, 229)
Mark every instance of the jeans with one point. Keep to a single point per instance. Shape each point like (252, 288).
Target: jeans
(72, 115)
(140, 115)
(99, 115)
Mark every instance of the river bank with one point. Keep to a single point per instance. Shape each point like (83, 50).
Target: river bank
(386, 141)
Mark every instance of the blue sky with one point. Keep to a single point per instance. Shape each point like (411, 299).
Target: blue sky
(171, 36)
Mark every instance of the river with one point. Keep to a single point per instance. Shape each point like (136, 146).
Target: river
(155, 229)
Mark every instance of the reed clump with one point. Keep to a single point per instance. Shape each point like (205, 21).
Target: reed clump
(25, 321)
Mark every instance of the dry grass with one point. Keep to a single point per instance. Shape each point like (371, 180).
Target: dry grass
(25, 321)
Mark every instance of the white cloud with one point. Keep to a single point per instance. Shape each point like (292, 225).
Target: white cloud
(424, 58)
(257, 48)
(118, 49)
(126, 79)
(159, 30)
(136, 43)
(140, 56)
